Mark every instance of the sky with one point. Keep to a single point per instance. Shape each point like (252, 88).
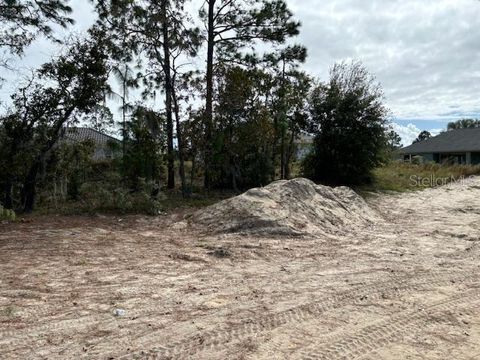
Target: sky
(425, 53)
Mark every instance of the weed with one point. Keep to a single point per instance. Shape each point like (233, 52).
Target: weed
(81, 262)
(9, 311)
(220, 253)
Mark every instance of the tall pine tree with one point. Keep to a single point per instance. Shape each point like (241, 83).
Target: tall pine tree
(159, 31)
(231, 26)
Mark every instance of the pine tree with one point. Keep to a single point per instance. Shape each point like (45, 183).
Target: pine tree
(159, 30)
(290, 91)
(21, 21)
(232, 25)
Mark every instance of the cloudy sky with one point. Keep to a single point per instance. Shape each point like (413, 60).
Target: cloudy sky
(425, 53)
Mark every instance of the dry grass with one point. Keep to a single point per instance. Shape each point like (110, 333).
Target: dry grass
(399, 176)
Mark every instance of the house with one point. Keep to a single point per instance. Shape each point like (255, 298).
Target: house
(460, 146)
(106, 147)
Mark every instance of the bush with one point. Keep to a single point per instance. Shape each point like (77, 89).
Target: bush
(102, 196)
(7, 214)
(417, 160)
(349, 124)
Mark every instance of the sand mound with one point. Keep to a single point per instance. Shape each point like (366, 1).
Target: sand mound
(293, 207)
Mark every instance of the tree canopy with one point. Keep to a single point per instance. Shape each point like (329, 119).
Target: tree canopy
(349, 122)
(71, 85)
(424, 135)
(463, 124)
(216, 96)
(21, 21)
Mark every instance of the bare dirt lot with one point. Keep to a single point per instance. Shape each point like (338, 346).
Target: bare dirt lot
(406, 286)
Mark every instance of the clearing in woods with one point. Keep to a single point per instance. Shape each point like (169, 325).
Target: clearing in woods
(288, 271)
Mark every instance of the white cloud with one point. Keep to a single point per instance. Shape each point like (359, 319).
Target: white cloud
(407, 133)
(435, 132)
(410, 132)
(425, 53)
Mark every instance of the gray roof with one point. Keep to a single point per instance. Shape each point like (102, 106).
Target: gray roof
(452, 141)
(79, 134)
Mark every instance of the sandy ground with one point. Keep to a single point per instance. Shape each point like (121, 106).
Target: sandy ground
(407, 287)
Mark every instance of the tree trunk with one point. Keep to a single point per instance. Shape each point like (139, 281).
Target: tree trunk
(124, 117)
(283, 125)
(180, 144)
(7, 190)
(168, 97)
(29, 187)
(192, 170)
(209, 95)
(124, 129)
(233, 170)
(231, 159)
(8, 185)
(274, 146)
(279, 126)
(289, 155)
(282, 155)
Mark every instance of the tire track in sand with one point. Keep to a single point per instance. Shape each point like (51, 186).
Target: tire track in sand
(388, 331)
(218, 339)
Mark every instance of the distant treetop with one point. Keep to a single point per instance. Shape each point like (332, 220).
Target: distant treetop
(463, 124)
(424, 135)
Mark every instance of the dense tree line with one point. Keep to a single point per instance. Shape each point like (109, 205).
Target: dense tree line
(463, 124)
(234, 122)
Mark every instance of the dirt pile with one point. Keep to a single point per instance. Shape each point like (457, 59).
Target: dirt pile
(288, 207)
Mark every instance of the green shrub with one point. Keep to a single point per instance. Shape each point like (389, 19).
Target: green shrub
(349, 122)
(7, 214)
(102, 196)
(417, 160)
